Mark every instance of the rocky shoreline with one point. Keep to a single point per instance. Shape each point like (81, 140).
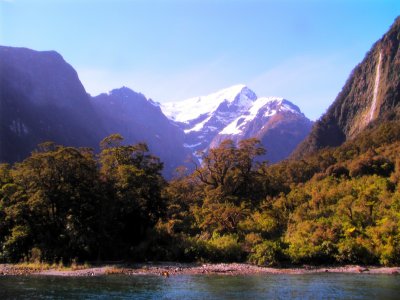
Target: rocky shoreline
(171, 269)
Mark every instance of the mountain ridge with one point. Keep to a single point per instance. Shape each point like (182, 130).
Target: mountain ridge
(43, 99)
(237, 113)
(139, 119)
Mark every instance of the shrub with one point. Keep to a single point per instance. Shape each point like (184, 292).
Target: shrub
(369, 165)
(195, 249)
(268, 253)
(337, 171)
(224, 248)
(354, 250)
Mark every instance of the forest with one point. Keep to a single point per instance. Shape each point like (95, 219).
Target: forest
(336, 206)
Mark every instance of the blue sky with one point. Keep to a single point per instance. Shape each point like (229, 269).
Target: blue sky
(172, 50)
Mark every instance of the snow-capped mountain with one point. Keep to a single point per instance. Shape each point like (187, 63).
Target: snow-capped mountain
(262, 108)
(191, 110)
(236, 113)
(202, 118)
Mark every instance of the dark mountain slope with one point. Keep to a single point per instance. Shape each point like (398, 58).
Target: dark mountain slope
(140, 120)
(41, 99)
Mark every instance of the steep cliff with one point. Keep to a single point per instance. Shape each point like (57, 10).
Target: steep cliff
(370, 96)
(42, 99)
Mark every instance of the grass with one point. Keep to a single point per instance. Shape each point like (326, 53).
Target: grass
(41, 266)
(25, 268)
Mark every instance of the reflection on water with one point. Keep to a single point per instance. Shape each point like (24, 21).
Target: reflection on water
(310, 286)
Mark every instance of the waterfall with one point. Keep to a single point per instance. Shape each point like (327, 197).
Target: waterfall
(376, 87)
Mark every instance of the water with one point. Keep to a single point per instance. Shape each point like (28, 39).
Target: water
(376, 87)
(310, 286)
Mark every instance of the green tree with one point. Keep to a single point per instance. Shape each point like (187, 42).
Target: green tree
(133, 181)
(54, 203)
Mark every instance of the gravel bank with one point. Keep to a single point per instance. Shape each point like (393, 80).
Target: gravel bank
(171, 269)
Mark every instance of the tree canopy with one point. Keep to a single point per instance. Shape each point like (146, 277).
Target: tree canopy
(338, 205)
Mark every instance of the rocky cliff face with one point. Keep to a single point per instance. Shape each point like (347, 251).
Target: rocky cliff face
(370, 95)
(42, 99)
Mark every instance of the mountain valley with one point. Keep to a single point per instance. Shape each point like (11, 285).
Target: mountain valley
(42, 99)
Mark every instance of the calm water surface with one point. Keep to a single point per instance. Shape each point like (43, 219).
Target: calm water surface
(310, 286)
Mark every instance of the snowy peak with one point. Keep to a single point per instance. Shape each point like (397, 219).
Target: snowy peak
(236, 113)
(269, 106)
(200, 107)
(276, 122)
(261, 110)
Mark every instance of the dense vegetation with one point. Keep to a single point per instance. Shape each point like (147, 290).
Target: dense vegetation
(63, 203)
(338, 205)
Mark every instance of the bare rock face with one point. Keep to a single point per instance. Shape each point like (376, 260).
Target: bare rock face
(371, 95)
